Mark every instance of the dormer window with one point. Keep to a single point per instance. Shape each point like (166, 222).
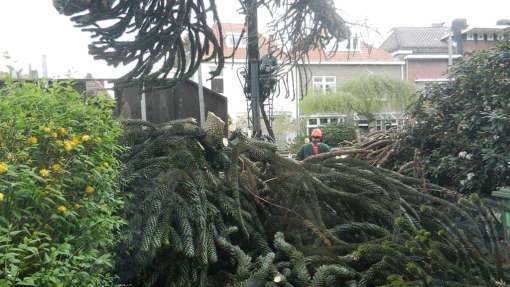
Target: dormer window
(232, 39)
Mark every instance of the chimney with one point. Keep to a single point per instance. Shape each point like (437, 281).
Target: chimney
(457, 26)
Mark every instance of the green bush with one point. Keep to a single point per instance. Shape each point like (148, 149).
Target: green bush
(58, 187)
(463, 127)
(334, 134)
(298, 141)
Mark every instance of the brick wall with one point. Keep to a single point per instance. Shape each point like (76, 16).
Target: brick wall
(344, 73)
(426, 69)
(474, 46)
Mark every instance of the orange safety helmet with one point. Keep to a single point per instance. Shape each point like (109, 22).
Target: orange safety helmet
(316, 133)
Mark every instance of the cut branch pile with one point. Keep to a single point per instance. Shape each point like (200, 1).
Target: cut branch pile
(202, 214)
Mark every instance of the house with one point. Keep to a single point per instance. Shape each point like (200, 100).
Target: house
(230, 82)
(473, 38)
(426, 52)
(423, 51)
(326, 73)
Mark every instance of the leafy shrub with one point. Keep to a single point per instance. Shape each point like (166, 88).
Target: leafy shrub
(58, 187)
(463, 126)
(334, 134)
(298, 141)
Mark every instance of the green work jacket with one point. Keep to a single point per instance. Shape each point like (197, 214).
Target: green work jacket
(306, 150)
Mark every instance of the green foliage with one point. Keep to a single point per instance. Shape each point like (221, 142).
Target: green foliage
(463, 127)
(204, 215)
(298, 141)
(366, 95)
(334, 134)
(328, 102)
(283, 125)
(58, 187)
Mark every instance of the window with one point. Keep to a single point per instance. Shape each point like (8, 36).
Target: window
(324, 121)
(312, 121)
(324, 83)
(333, 120)
(217, 82)
(470, 36)
(501, 37)
(480, 37)
(231, 40)
(490, 37)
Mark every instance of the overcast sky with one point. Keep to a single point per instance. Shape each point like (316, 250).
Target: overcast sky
(30, 28)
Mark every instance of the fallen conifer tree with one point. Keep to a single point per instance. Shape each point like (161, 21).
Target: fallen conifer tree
(202, 213)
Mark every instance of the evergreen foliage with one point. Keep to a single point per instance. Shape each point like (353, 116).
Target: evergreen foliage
(201, 214)
(336, 134)
(462, 130)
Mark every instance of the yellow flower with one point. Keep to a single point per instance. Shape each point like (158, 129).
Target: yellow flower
(56, 167)
(46, 130)
(76, 141)
(85, 138)
(54, 135)
(32, 140)
(62, 131)
(99, 140)
(68, 146)
(77, 206)
(2, 197)
(61, 209)
(44, 172)
(3, 167)
(89, 189)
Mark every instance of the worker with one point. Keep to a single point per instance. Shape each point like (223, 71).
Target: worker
(313, 148)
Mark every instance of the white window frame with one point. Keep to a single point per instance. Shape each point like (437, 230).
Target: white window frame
(470, 36)
(501, 37)
(232, 38)
(321, 85)
(480, 36)
(490, 37)
(219, 77)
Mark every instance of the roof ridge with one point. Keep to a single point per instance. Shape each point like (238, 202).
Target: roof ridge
(421, 27)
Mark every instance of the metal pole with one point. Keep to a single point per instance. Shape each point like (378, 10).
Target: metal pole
(143, 105)
(201, 103)
(450, 49)
(253, 64)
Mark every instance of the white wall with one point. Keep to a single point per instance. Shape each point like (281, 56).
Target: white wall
(234, 92)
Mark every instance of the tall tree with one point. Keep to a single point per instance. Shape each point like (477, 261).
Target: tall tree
(154, 34)
(162, 29)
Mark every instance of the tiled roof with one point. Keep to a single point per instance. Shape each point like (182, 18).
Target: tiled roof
(365, 54)
(418, 39)
(240, 54)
